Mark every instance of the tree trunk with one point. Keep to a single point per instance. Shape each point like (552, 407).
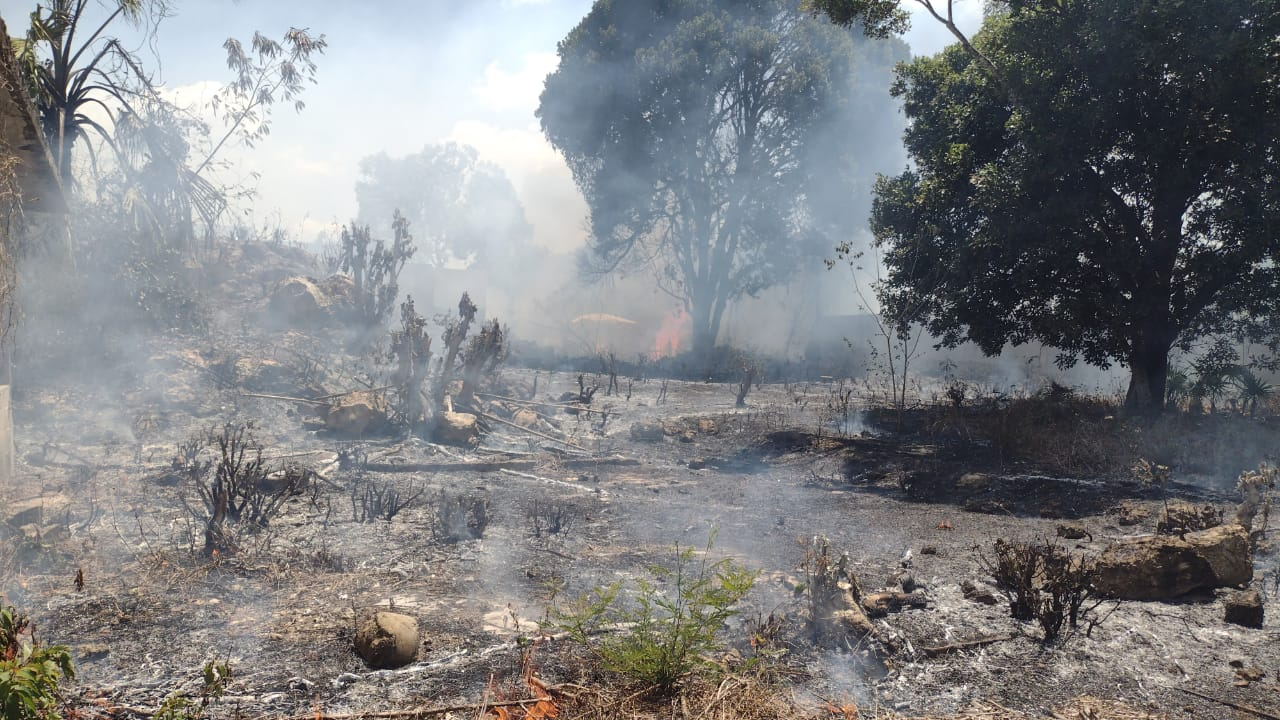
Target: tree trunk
(1149, 368)
(702, 322)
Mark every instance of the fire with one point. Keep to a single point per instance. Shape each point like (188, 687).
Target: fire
(675, 325)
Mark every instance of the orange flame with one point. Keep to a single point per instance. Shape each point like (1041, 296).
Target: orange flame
(675, 326)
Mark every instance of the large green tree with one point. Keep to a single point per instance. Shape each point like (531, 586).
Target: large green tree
(712, 140)
(1102, 176)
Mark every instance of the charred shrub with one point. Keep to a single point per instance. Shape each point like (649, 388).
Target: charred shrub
(1043, 582)
(673, 618)
(370, 501)
(548, 518)
(459, 516)
(239, 493)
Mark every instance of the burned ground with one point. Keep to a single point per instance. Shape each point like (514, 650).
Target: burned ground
(108, 500)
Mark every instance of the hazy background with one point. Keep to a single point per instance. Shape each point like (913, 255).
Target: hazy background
(397, 75)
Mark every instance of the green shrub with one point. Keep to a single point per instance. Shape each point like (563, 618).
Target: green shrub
(669, 627)
(29, 671)
(181, 707)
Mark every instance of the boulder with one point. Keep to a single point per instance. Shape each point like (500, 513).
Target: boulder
(387, 640)
(974, 482)
(34, 510)
(265, 375)
(298, 300)
(354, 413)
(457, 428)
(1129, 513)
(647, 431)
(525, 418)
(708, 426)
(1167, 566)
(1244, 608)
(977, 593)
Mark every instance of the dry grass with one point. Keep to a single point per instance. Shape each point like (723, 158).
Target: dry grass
(750, 696)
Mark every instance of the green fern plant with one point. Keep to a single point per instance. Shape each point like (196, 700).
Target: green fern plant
(671, 624)
(29, 671)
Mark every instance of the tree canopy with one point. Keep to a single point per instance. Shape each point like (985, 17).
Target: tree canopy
(713, 140)
(460, 207)
(1102, 176)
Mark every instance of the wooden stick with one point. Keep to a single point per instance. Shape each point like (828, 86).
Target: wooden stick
(938, 650)
(284, 397)
(551, 481)
(1235, 706)
(332, 396)
(542, 435)
(580, 407)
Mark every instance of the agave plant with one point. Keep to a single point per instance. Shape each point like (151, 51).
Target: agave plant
(71, 79)
(1251, 388)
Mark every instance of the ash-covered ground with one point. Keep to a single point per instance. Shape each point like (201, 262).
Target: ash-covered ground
(593, 497)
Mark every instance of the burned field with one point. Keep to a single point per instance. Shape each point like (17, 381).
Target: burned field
(875, 541)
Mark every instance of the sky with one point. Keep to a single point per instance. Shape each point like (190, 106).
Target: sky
(397, 75)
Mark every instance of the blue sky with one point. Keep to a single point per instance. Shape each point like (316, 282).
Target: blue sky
(397, 75)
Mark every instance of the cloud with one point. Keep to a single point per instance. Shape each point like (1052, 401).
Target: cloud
(503, 91)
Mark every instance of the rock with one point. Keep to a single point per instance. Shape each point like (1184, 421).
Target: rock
(687, 436)
(265, 375)
(882, 603)
(339, 292)
(904, 580)
(356, 412)
(1250, 674)
(1244, 608)
(298, 300)
(647, 431)
(1180, 516)
(1128, 513)
(699, 464)
(387, 640)
(1167, 566)
(457, 428)
(525, 418)
(1073, 532)
(978, 594)
(34, 510)
(707, 426)
(973, 482)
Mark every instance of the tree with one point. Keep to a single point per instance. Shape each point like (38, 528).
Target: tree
(73, 78)
(709, 140)
(273, 71)
(461, 208)
(1102, 176)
